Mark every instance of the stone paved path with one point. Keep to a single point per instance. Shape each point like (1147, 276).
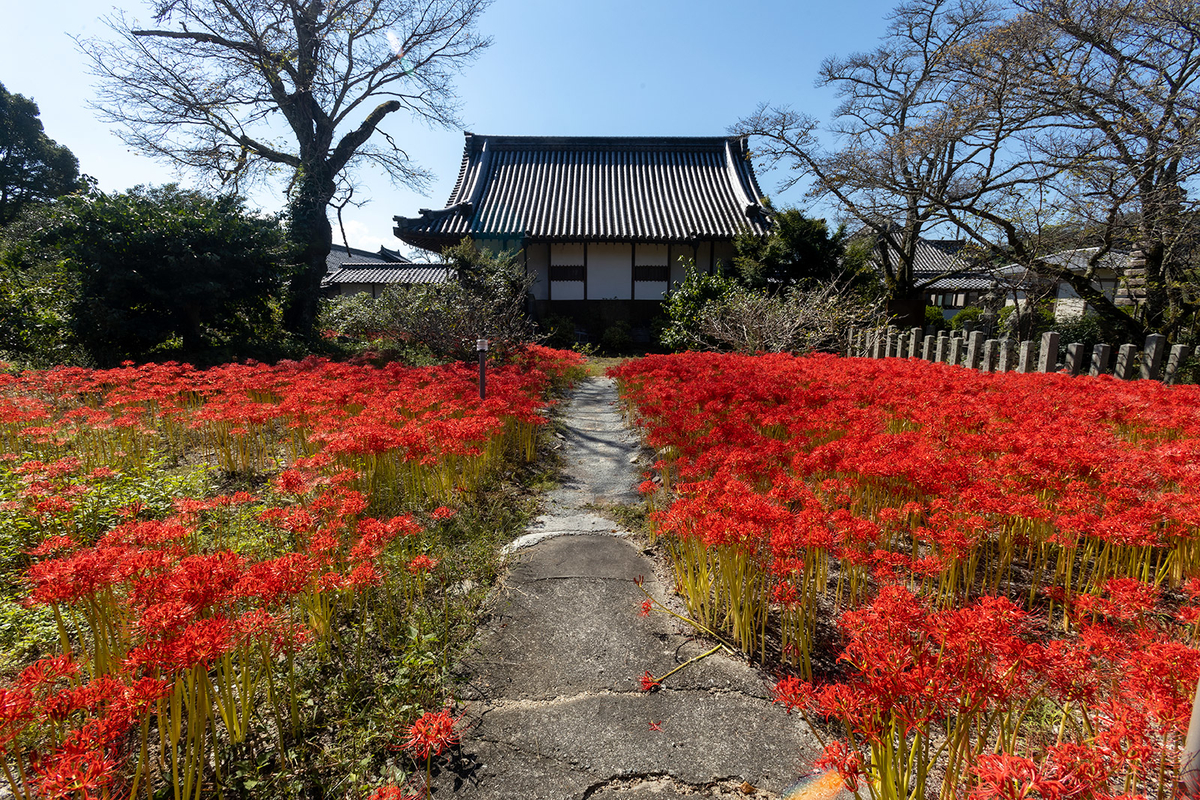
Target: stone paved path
(552, 690)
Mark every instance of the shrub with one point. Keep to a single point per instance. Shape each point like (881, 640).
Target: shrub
(617, 339)
(801, 320)
(968, 314)
(934, 318)
(683, 305)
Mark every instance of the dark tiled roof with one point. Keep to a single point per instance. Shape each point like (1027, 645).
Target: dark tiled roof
(933, 257)
(593, 188)
(961, 283)
(339, 256)
(374, 272)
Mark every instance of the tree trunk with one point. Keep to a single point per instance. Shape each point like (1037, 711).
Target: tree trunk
(311, 236)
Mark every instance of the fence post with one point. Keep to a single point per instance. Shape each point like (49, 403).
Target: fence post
(942, 351)
(1174, 362)
(989, 355)
(913, 339)
(927, 348)
(1025, 356)
(1101, 355)
(956, 351)
(1152, 360)
(879, 343)
(974, 346)
(1006, 356)
(1074, 360)
(891, 342)
(1048, 359)
(1126, 355)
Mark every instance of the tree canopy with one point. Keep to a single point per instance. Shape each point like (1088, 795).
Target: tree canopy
(33, 167)
(246, 89)
(168, 272)
(797, 249)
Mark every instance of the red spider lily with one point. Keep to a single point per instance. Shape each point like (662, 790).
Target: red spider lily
(648, 683)
(793, 693)
(846, 761)
(443, 513)
(431, 734)
(419, 565)
(392, 793)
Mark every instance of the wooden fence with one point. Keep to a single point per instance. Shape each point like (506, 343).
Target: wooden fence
(970, 349)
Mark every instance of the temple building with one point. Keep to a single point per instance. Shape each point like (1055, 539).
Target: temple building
(604, 224)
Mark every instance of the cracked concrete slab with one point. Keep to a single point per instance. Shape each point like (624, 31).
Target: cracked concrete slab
(552, 687)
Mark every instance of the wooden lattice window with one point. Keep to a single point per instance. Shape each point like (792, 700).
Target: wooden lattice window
(568, 273)
(652, 274)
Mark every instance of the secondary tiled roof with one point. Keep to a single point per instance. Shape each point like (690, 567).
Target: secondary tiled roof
(375, 272)
(657, 189)
(339, 256)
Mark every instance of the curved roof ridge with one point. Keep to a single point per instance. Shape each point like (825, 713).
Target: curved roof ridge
(596, 188)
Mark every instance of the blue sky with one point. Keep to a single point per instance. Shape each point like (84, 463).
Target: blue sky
(619, 67)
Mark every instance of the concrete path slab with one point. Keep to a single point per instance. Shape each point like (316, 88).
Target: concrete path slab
(554, 707)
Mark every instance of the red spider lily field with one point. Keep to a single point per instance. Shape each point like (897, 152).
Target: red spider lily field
(972, 585)
(249, 580)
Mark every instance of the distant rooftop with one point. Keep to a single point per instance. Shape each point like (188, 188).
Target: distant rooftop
(339, 256)
(652, 189)
(374, 272)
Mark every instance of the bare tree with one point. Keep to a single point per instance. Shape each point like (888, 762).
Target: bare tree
(898, 130)
(1108, 97)
(245, 89)
(1012, 123)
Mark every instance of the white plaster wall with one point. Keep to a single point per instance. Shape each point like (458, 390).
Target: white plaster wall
(566, 255)
(652, 255)
(609, 271)
(649, 290)
(537, 257)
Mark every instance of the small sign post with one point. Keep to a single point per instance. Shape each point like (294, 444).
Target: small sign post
(481, 346)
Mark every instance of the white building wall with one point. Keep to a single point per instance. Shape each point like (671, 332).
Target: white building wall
(651, 255)
(567, 255)
(609, 271)
(1068, 305)
(678, 252)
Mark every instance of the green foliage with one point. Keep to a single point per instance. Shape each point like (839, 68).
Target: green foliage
(170, 273)
(799, 249)
(36, 296)
(1090, 330)
(97, 505)
(33, 168)
(968, 314)
(684, 303)
(935, 318)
